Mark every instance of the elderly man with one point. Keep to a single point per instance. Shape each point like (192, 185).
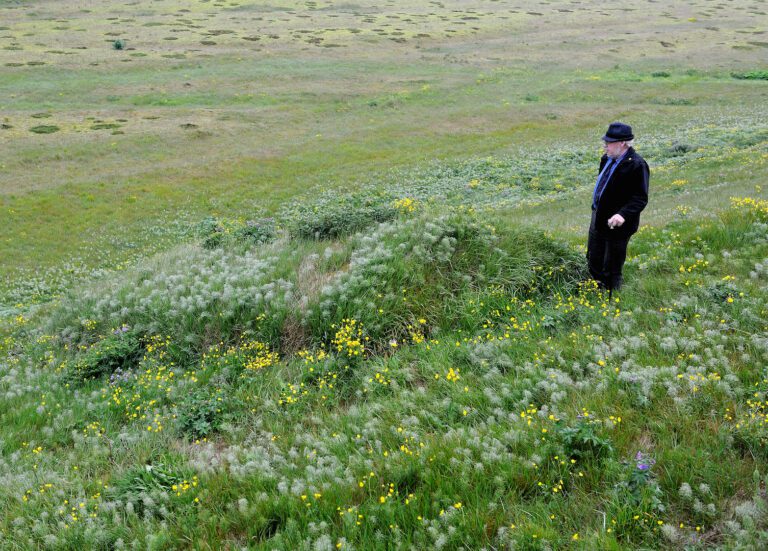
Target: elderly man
(621, 193)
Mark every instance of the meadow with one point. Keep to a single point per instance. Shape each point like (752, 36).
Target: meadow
(310, 275)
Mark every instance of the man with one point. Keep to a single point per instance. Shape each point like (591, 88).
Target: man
(621, 193)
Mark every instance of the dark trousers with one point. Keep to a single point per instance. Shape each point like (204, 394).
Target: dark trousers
(605, 257)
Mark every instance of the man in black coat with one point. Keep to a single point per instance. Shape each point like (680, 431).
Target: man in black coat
(621, 193)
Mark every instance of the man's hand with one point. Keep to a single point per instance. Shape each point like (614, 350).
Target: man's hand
(615, 221)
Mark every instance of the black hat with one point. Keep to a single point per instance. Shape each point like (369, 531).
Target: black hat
(618, 132)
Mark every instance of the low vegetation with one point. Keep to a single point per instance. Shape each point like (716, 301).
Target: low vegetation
(434, 381)
(311, 275)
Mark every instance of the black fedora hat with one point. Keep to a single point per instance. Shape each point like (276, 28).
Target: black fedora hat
(618, 132)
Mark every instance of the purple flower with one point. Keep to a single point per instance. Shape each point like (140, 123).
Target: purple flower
(120, 376)
(643, 462)
(120, 330)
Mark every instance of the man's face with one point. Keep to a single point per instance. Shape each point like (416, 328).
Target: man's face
(614, 149)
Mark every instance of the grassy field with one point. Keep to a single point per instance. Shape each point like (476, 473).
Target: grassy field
(309, 275)
(216, 121)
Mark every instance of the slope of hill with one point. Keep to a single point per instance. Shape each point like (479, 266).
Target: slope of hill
(435, 381)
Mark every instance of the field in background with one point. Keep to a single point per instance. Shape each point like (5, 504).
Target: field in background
(234, 107)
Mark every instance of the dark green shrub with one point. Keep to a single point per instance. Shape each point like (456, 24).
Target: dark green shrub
(673, 101)
(119, 44)
(341, 216)
(678, 149)
(257, 231)
(215, 232)
(211, 232)
(121, 350)
(153, 479)
(720, 291)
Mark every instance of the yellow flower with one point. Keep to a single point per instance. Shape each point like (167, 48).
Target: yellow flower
(406, 205)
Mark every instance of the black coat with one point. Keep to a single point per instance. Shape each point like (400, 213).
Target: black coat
(626, 193)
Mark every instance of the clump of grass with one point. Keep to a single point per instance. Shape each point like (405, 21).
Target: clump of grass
(44, 129)
(217, 232)
(751, 75)
(201, 296)
(105, 126)
(333, 215)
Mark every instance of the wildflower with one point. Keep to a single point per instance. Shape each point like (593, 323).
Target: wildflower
(349, 338)
(406, 205)
(643, 462)
(452, 375)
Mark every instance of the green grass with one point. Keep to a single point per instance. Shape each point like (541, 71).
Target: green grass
(282, 122)
(545, 399)
(445, 379)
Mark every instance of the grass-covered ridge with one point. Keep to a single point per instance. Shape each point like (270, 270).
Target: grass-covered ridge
(288, 292)
(477, 393)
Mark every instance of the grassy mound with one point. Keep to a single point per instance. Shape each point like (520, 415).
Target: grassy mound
(289, 295)
(434, 268)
